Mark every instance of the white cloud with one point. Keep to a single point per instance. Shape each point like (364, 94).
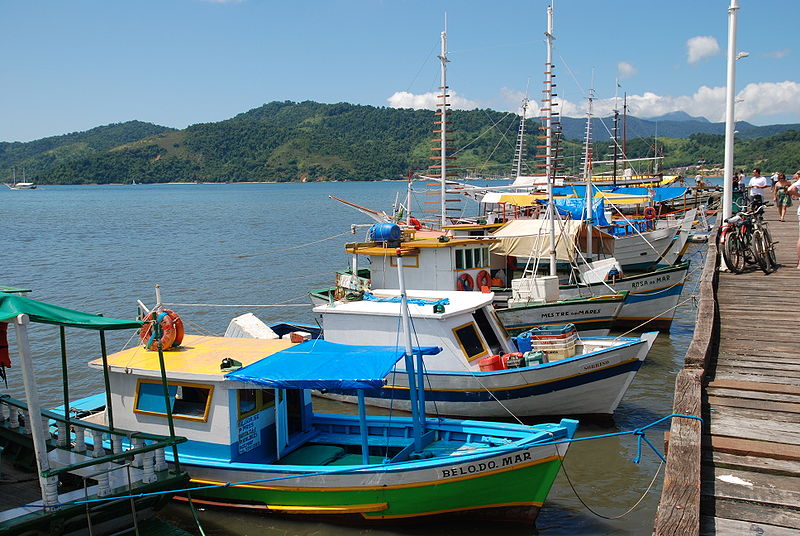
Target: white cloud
(768, 98)
(757, 100)
(701, 47)
(513, 102)
(428, 101)
(625, 70)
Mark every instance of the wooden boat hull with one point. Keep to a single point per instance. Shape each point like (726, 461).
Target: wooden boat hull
(588, 384)
(652, 298)
(592, 317)
(519, 479)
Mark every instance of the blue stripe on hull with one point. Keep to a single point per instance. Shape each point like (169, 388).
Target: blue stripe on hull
(505, 394)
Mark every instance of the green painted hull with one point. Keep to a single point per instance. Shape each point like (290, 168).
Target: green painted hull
(519, 486)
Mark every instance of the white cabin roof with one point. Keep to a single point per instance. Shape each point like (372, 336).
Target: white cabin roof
(461, 302)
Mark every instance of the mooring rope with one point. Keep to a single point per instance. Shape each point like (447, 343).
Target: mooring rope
(638, 432)
(237, 305)
(293, 247)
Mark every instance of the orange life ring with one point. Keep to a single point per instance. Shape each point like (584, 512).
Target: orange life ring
(5, 357)
(415, 223)
(650, 213)
(465, 282)
(483, 279)
(172, 330)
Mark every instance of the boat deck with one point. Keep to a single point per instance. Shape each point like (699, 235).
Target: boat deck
(17, 486)
(739, 473)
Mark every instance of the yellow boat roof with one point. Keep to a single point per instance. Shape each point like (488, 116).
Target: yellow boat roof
(198, 357)
(411, 247)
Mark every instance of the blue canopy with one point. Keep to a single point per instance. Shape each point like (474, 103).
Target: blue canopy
(661, 193)
(319, 364)
(576, 208)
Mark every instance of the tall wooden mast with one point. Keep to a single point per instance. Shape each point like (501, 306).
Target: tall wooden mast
(442, 128)
(551, 125)
(519, 151)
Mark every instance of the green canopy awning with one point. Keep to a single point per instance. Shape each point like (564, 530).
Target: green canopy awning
(45, 313)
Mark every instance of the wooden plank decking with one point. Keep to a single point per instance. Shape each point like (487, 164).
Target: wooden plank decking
(739, 473)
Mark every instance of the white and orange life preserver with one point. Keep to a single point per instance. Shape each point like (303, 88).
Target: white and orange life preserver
(650, 213)
(483, 280)
(465, 282)
(172, 330)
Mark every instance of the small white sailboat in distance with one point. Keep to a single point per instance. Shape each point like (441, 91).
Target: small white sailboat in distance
(23, 185)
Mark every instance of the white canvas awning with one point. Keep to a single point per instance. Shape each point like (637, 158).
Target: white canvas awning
(531, 238)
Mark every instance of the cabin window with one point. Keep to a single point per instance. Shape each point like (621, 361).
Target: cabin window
(486, 330)
(410, 261)
(467, 259)
(187, 401)
(470, 342)
(251, 401)
(247, 402)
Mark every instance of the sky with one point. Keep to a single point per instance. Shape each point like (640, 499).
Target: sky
(68, 66)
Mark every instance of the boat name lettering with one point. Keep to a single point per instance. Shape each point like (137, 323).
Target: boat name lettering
(660, 279)
(592, 366)
(470, 469)
(555, 314)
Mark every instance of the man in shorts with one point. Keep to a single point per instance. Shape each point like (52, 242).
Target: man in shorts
(758, 187)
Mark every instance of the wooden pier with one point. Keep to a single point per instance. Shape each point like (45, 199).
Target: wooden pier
(739, 471)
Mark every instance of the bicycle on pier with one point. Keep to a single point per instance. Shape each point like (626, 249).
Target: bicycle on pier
(745, 239)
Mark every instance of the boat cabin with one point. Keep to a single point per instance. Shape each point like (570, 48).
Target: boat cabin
(435, 263)
(221, 418)
(463, 324)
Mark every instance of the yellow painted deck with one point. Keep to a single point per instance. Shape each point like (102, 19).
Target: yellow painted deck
(198, 354)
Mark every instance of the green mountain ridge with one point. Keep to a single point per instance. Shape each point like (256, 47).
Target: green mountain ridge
(288, 141)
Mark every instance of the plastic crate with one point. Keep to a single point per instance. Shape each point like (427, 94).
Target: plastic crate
(551, 331)
(555, 349)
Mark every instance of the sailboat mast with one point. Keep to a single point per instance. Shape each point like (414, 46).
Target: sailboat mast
(587, 173)
(519, 156)
(443, 134)
(625, 130)
(549, 164)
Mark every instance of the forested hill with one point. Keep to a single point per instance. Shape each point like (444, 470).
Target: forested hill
(288, 141)
(39, 157)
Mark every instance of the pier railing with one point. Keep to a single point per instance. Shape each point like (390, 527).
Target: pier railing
(679, 508)
(144, 453)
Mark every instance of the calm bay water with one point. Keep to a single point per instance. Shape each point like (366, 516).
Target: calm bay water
(99, 248)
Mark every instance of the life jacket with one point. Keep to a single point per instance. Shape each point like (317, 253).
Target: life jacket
(5, 358)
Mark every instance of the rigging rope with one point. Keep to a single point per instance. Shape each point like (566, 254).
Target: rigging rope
(293, 247)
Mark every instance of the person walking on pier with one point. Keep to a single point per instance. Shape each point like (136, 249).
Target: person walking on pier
(780, 195)
(758, 187)
(794, 191)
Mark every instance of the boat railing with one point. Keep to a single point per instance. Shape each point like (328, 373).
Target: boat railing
(72, 454)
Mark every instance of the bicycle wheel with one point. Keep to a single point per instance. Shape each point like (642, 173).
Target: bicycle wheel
(760, 251)
(732, 252)
(773, 259)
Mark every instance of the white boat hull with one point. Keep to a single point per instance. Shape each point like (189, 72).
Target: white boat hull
(652, 298)
(591, 317)
(588, 384)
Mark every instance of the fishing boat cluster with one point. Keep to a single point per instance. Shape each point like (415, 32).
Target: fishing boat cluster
(461, 329)
(455, 331)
